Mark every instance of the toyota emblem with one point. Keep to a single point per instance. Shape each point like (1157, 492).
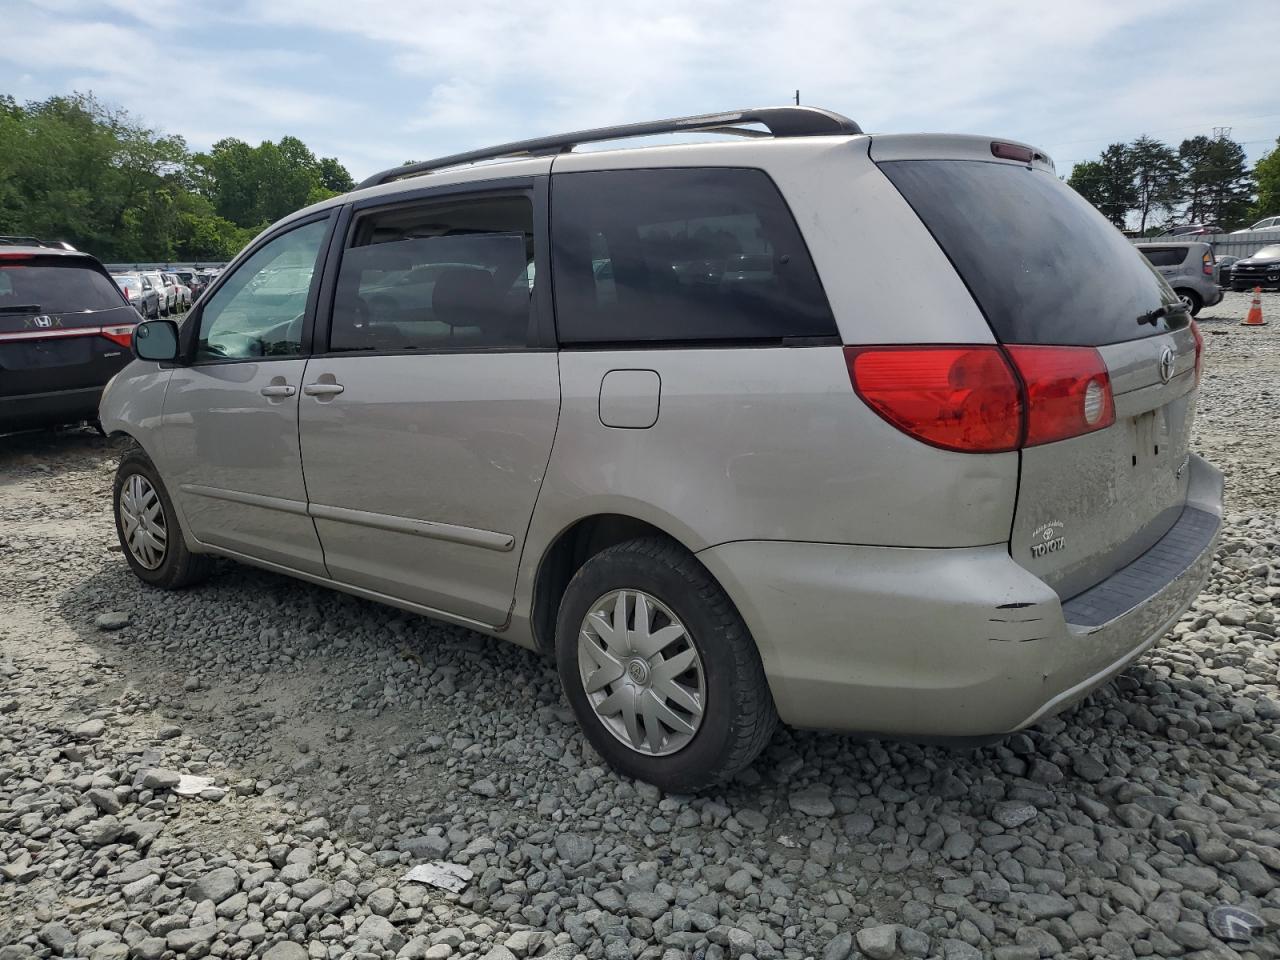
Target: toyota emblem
(1166, 365)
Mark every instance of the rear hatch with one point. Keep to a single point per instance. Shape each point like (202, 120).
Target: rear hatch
(1047, 269)
(64, 324)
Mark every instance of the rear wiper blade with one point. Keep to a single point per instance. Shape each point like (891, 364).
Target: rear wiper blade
(20, 308)
(1164, 310)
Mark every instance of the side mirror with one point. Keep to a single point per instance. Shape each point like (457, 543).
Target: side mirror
(156, 340)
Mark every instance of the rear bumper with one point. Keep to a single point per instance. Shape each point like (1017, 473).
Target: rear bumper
(47, 409)
(953, 643)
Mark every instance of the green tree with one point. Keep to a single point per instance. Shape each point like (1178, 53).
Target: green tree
(1108, 183)
(1216, 184)
(1266, 176)
(1156, 177)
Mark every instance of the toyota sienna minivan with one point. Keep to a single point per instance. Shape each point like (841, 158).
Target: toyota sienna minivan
(884, 434)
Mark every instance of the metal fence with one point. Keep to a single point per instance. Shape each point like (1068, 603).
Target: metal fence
(1225, 244)
(165, 267)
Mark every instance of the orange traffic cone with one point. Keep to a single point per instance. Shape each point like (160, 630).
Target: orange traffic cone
(1254, 317)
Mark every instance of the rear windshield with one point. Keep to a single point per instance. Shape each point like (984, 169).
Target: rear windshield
(1043, 265)
(1164, 256)
(46, 285)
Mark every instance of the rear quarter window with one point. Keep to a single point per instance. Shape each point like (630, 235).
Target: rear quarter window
(679, 256)
(1042, 264)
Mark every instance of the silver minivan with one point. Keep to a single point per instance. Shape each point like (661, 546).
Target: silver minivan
(810, 425)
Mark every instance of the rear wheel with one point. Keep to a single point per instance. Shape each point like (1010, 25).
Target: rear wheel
(1191, 300)
(659, 668)
(148, 528)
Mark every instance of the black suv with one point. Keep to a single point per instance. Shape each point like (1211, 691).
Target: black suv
(65, 329)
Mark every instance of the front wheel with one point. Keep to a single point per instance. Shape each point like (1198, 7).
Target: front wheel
(147, 526)
(660, 669)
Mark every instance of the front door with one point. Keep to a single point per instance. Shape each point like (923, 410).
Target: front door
(427, 424)
(231, 415)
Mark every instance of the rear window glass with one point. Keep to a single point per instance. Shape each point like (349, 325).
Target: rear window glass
(1043, 265)
(1164, 256)
(55, 287)
(682, 255)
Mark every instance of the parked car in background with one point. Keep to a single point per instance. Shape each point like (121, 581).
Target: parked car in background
(1193, 230)
(65, 330)
(744, 480)
(1260, 270)
(191, 280)
(1222, 264)
(140, 293)
(1266, 223)
(1187, 266)
(182, 293)
(167, 292)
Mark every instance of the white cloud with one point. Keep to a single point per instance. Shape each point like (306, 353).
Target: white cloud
(380, 81)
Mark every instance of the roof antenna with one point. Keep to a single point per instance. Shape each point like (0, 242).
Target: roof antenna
(797, 98)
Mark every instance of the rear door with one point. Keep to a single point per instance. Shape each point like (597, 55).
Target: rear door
(428, 416)
(64, 324)
(1047, 269)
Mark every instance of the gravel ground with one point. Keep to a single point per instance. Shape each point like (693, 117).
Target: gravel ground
(344, 742)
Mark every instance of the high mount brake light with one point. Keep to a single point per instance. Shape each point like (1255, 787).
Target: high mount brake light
(985, 398)
(1011, 151)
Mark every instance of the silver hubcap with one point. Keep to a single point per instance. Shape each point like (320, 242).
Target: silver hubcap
(641, 672)
(142, 520)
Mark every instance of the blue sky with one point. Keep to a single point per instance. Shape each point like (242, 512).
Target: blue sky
(377, 82)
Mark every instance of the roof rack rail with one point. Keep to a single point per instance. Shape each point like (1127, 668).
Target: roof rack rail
(779, 121)
(33, 242)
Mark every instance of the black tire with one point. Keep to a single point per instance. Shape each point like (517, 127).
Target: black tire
(179, 567)
(739, 716)
(1194, 303)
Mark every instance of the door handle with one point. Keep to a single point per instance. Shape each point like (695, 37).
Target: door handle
(278, 390)
(323, 389)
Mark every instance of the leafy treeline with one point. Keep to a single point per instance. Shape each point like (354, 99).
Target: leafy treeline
(75, 169)
(1150, 185)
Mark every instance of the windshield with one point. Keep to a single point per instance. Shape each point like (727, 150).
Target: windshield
(49, 286)
(1043, 265)
(1268, 253)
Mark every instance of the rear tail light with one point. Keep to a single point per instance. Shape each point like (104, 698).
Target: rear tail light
(121, 334)
(1068, 392)
(1207, 260)
(985, 398)
(957, 398)
(1195, 331)
(128, 294)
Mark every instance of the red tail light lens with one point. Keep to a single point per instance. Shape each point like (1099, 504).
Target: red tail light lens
(957, 398)
(1068, 391)
(121, 334)
(1195, 331)
(1207, 260)
(128, 294)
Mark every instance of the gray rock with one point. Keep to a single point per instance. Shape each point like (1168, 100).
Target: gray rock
(574, 849)
(812, 801)
(880, 942)
(89, 730)
(186, 939)
(216, 885)
(111, 620)
(1011, 814)
(838, 947)
(381, 931)
(159, 778)
(286, 950)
